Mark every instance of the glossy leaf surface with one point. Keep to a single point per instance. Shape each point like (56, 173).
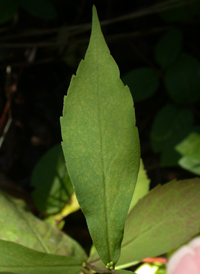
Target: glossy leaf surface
(143, 83)
(101, 145)
(19, 259)
(168, 47)
(18, 225)
(53, 188)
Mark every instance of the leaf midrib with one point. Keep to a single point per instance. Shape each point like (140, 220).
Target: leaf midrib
(102, 150)
(34, 231)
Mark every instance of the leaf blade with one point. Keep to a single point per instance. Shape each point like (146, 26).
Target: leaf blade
(19, 259)
(105, 142)
(158, 229)
(53, 188)
(21, 226)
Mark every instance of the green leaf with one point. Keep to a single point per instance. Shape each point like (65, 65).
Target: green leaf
(190, 146)
(101, 145)
(171, 125)
(143, 83)
(40, 8)
(53, 188)
(20, 226)
(19, 259)
(161, 270)
(190, 164)
(8, 8)
(142, 186)
(165, 218)
(168, 48)
(182, 80)
(141, 189)
(190, 149)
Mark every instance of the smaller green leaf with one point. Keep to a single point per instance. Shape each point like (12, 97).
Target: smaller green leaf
(168, 48)
(190, 164)
(8, 8)
(40, 8)
(190, 146)
(142, 186)
(20, 259)
(190, 149)
(182, 80)
(165, 218)
(21, 226)
(143, 83)
(53, 188)
(161, 270)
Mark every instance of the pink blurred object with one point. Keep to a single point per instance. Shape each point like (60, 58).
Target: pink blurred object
(186, 260)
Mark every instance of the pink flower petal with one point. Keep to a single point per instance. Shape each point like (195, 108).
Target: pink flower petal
(186, 260)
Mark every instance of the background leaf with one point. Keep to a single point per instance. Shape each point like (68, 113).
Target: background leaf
(41, 8)
(164, 219)
(53, 188)
(101, 145)
(182, 80)
(8, 8)
(171, 125)
(19, 259)
(189, 148)
(143, 83)
(18, 225)
(142, 186)
(190, 164)
(168, 48)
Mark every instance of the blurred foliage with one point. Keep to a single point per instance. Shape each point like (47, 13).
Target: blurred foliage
(40, 8)
(168, 48)
(51, 182)
(189, 148)
(143, 82)
(171, 125)
(8, 9)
